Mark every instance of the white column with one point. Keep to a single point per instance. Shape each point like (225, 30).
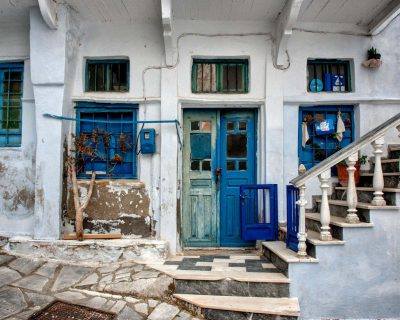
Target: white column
(325, 234)
(48, 50)
(378, 181)
(169, 160)
(352, 216)
(302, 235)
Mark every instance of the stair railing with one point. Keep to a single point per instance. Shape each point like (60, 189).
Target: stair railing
(374, 137)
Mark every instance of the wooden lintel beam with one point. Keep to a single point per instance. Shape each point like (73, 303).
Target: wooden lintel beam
(167, 22)
(48, 9)
(283, 29)
(383, 18)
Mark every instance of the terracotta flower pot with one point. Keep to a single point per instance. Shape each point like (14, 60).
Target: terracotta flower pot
(343, 175)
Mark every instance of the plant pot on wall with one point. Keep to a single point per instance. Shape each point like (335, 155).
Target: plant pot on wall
(373, 59)
(343, 175)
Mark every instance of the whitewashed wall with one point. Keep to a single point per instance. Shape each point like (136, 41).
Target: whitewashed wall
(143, 44)
(17, 173)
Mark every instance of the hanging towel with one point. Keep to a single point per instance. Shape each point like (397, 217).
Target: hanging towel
(304, 134)
(340, 127)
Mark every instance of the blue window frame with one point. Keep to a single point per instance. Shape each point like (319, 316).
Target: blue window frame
(118, 121)
(321, 146)
(11, 86)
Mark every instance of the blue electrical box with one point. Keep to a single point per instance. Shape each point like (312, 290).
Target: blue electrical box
(147, 141)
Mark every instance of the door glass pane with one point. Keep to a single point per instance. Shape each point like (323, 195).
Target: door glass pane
(230, 165)
(242, 125)
(195, 165)
(200, 146)
(236, 145)
(242, 165)
(230, 126)
(206, 165)
(195, 125)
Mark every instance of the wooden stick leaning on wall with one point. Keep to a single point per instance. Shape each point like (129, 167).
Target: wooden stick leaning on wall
(80, 207)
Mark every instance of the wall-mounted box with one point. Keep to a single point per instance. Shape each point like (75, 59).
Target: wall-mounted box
(148, 141)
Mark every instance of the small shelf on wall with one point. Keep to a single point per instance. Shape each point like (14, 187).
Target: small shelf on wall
(328, 75)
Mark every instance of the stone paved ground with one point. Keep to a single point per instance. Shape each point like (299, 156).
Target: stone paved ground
(131, 290)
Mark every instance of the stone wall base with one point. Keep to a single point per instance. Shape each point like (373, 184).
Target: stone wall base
(91, 251)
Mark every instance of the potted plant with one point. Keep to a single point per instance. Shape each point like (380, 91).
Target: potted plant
(373, 59)
(343, 176)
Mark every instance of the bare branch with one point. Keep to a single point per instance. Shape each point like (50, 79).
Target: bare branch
(90, 191)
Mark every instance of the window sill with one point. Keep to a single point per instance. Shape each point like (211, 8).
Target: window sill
(133, 183)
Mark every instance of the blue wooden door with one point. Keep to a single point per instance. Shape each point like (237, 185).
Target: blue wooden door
(237, 161)
(200, 199)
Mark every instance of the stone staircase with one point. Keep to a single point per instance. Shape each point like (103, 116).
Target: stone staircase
(231, 286)
(347, 238)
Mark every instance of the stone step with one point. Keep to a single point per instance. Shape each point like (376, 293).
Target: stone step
(281, 256)
(394, 151)
(234, 307)
(361, 205)
(313, 241)
(365, 194)
(229, 287)
(391, 179)
(390, 165)
(91, 251)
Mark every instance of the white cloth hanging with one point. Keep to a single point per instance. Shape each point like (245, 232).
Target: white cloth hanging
(340, 128)
(304, 134)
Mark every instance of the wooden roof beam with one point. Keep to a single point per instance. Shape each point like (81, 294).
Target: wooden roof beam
(383, 18)
(284, 28)
(48, 9)
(167, 22)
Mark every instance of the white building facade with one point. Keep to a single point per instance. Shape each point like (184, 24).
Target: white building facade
(204, 75)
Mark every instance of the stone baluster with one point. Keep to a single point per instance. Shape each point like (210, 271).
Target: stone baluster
(378, 181)
(302, 235)
(398, 129)
(325, 213)
(352, 216)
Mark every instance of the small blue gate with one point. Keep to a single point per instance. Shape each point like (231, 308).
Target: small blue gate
(259, 212)
(292, 209)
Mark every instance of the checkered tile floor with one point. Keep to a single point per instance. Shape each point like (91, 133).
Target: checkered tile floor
(223, 262)
(240, 267)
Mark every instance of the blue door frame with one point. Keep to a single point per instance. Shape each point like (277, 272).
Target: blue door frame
(233, 163)
(292, 213)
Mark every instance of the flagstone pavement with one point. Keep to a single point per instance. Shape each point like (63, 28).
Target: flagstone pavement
(132, 291)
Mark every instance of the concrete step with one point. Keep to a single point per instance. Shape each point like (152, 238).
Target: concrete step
(391, 179)
(235, 307)
(337, 224)
(366, 194)
(394, 151)
(281, 256)
(390, 165)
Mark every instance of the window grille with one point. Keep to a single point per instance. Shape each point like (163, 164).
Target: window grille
(321, 146)
(328, 75)
(116, 145)
(11, 86)
(220, 76)
(107, 75)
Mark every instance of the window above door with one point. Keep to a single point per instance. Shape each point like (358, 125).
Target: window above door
(107, 75)
(220, 76)
(328, 75)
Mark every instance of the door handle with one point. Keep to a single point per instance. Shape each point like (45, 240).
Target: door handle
(217, 173)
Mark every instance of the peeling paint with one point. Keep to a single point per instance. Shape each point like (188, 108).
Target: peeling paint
(115, 206)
